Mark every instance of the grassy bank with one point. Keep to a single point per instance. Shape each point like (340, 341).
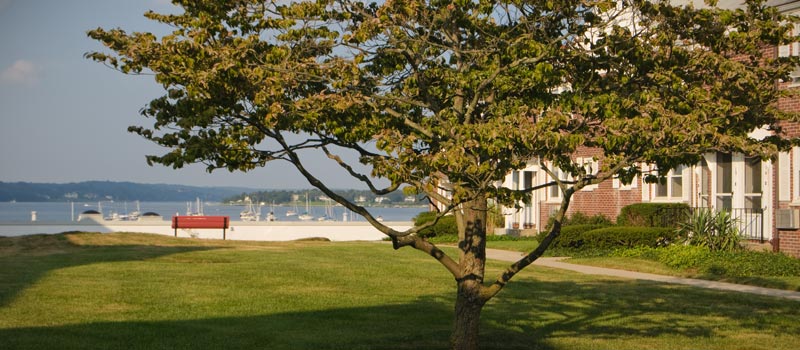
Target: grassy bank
(132, 291)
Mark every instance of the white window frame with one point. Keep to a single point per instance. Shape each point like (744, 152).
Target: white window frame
(759, 184)
(784, 177)
(563, 177)
(591, 166)
(685, 176)
(795, 175)
(790, 50)
(617, 184)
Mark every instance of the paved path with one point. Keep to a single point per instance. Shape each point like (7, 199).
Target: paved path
(510, 256)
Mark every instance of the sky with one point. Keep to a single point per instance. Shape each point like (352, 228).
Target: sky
(65, 118)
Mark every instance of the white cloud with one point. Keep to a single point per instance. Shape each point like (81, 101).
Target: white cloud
(21, 72)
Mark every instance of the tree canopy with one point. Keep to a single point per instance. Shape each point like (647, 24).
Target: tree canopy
(447, 97)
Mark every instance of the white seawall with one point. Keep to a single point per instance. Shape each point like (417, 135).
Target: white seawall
(250, 231)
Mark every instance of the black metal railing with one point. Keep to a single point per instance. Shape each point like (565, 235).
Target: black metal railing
(749, 221)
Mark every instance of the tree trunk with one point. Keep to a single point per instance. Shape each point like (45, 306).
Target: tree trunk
(466, 325)
(472, 262)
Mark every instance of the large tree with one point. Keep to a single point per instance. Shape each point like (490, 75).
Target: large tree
(447, 97)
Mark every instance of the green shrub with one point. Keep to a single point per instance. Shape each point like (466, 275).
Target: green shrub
(601, 237)
(579, 218)
(489, 238)
(750, 264)
(727, 264)
(651, 214)
(679, 256)
(628, 237)
(570, 236)
(445, 226)
(715, 230)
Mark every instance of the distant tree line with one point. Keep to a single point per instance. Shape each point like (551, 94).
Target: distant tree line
(108, 190)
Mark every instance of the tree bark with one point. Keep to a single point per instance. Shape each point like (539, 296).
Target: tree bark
(466, 325)
(470, 298)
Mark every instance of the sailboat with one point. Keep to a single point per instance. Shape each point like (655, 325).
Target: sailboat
(329, 215)
(198, 209)
(249, 213)
(292, 212)
(271, 215)
(306, 216)
(130, 216)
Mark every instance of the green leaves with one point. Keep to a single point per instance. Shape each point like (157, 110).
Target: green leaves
(462, 91)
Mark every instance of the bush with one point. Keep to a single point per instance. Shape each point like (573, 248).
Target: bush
(489, 238)
(444, 227)
(578, 218)
(715, 230)
(684, 257)
(570, 236)
(750, 264)
(601, 237)
(628, 237)
(727, 264)
(651, 214)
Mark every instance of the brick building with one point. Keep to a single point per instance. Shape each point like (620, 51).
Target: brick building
(764, 196)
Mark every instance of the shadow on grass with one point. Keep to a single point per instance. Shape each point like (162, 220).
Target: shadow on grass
(610, 309)
(389, 327)
(528, 314)
(533, 315)
(25, 259)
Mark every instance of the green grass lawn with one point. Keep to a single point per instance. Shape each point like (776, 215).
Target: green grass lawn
(135, 291)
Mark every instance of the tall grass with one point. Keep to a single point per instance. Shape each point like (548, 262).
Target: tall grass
(131, 291)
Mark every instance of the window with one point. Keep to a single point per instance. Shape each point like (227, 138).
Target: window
(555, 192)
(672, 186)
(591, 166)
(527, 182)
(752, 183)
(792, 49)
(616, 183)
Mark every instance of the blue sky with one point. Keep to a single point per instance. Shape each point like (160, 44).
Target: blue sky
(65, 118)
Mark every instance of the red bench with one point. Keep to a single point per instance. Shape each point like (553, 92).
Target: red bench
(201, 221)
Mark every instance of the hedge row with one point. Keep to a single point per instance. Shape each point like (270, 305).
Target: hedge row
(446, 226)
(652, 214)
(608, 237)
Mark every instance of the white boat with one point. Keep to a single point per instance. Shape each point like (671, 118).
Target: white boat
(306, 216)
(329, 215)
(249, 213)
(198, 209)
(292, 212)
(133, 215)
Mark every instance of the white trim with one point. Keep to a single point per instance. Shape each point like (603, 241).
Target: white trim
(562, 176)
(686, 188)
(784, 177)
(795, 175)
(645, 186)
(591, 166)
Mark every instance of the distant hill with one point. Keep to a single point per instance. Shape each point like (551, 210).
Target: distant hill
(108, 190)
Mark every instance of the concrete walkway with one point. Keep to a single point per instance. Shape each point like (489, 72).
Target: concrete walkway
(504, 255)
